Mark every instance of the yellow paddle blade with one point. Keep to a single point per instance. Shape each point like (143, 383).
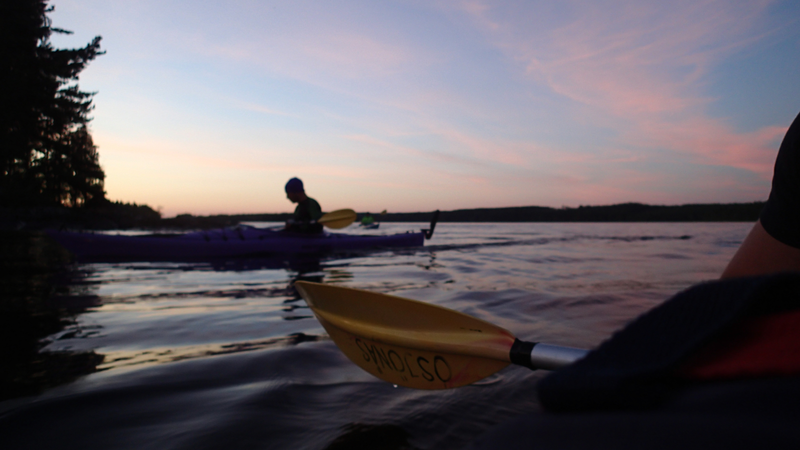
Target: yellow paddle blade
(338, 219)
(406, 342)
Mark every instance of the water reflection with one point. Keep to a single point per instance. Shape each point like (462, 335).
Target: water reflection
(33, 282)
(301, 264)
(127, 359)
(141, 314)
(307, 272)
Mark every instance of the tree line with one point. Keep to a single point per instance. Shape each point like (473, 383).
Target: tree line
(47, 155)
(623, 212)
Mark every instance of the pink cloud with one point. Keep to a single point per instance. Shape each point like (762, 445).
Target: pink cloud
(644, 64)
(710, 141)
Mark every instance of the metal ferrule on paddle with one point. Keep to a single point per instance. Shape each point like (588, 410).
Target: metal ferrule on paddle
(537, 355)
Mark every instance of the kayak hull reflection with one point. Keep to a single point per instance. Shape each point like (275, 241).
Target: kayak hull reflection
(242, 241)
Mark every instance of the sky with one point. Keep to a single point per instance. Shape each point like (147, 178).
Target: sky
(208, 107)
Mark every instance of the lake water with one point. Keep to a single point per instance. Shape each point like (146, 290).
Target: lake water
(226, 355)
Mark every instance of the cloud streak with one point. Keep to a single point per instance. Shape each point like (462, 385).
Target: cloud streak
(646, 65)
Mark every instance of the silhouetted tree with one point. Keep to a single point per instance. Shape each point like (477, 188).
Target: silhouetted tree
(47, 156)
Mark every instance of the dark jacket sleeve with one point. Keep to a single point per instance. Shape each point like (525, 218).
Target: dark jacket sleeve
(781, 216)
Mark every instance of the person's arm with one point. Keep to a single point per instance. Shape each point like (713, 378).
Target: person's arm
(773, 244)
(761, 254)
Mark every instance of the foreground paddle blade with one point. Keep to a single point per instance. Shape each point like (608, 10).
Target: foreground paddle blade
(338, 219)
(406, 342)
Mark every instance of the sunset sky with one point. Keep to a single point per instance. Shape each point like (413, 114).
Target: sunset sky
(209, 107)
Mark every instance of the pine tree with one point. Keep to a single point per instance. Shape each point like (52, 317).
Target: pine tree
(47, 156)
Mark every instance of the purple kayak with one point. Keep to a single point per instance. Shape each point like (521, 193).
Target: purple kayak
(240, 241)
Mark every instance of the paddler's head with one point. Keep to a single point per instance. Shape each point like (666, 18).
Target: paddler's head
(294, 190)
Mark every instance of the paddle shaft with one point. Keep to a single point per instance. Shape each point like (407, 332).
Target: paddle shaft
(536, 355)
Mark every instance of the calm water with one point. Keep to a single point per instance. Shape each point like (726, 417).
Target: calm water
(226, 355)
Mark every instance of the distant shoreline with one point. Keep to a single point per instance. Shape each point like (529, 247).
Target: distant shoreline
(131, 216)
(623, 212)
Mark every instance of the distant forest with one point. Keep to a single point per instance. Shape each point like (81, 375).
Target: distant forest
(624, 212)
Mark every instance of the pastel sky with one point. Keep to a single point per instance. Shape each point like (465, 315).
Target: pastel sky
(209, 107)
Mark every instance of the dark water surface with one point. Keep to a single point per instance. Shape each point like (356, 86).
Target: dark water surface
(226, 355)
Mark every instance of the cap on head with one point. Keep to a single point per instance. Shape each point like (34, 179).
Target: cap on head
(294, 185)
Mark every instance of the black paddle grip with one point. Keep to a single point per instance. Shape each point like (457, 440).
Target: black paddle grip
(520, 353)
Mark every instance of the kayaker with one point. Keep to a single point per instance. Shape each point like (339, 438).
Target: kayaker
(307, 211)
(367, 220)
(773, 245)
